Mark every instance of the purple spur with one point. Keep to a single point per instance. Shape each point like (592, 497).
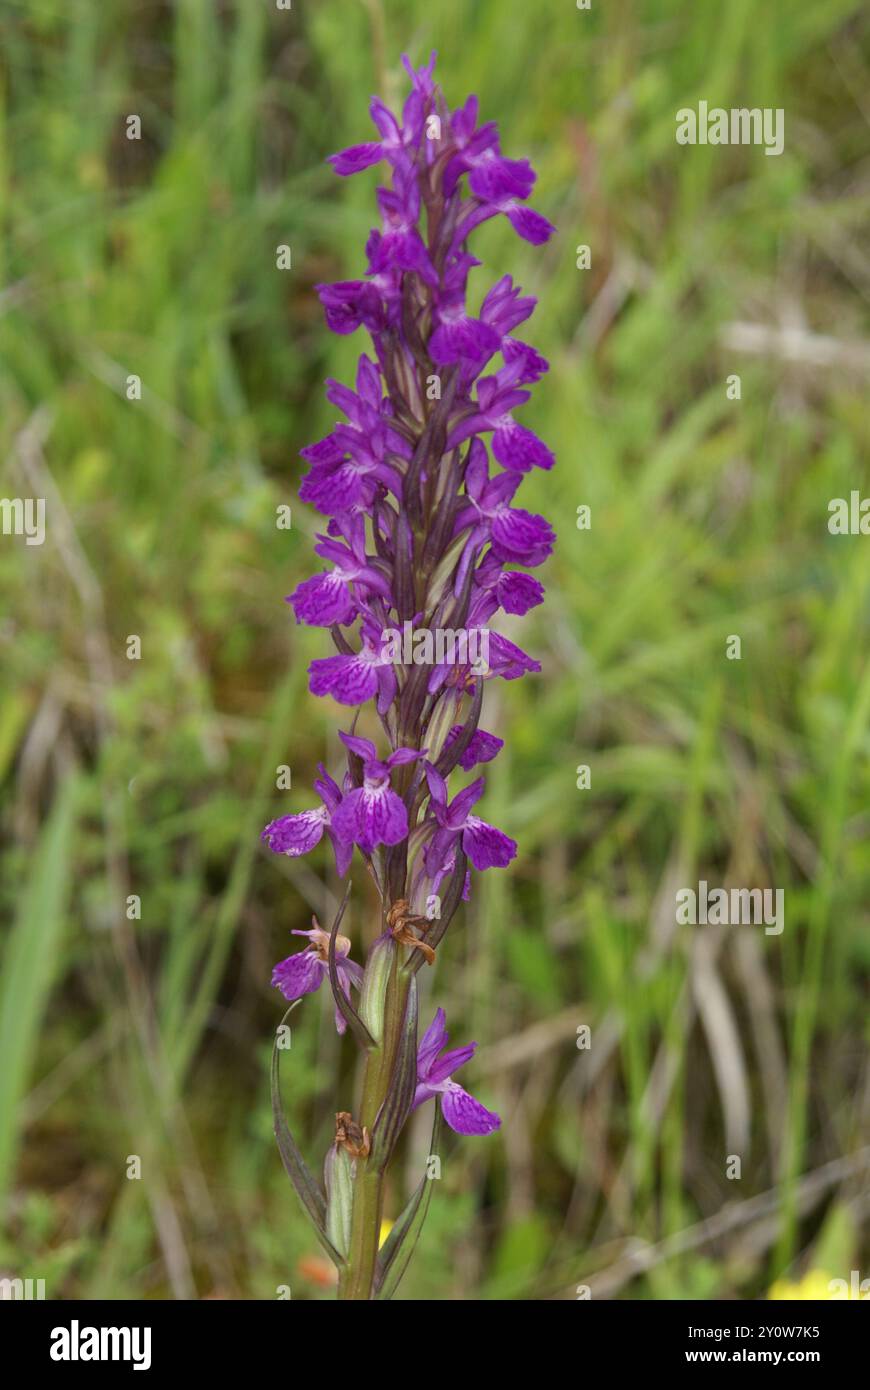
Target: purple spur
(423, 548)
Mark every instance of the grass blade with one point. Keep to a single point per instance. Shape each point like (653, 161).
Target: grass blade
(30, 966)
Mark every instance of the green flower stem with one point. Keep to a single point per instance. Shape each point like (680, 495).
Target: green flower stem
(357, 1278)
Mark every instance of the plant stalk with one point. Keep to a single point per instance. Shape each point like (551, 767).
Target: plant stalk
(357, 1278)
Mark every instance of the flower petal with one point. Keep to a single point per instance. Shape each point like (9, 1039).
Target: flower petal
(495, 178)
(422, 1094)
(333, 487)
(385, 818)
(431, 1043)
(323, 600)
(450, 1062)
(363, 747)
(482, 748)
(295, 835)
(466, 1115)
(520, 449)
(351, 680)
(463, 338)
(530, 225)
(343, 853)
(299, 974)
(522, 537)
(487, 847)
(371, 817)
(356, 158)
(518, 592)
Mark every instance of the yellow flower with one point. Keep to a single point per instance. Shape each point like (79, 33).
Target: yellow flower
(815, 1285)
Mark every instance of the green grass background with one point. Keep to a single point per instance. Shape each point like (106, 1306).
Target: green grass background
(153, 777)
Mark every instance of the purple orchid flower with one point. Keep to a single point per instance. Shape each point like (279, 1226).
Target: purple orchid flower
(351, 678)
(527, 223)
(504, 659)
(305, 971)
(486, 847)
(373, 814)
(349, 465)
(418, 536)
(351, 304)
(462, 1112)
(400, 246)
(326, 599)
(482, 747)
(510, 590)
(395, 143)
(514, 446)
(298, 834)
(516, 535)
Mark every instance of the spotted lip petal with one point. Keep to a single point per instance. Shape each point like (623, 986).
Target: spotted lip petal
(487, 847)
(351, 680)
(299, 974)
(466, 1115)
(295, 835)
(372, 817)
(323, 600)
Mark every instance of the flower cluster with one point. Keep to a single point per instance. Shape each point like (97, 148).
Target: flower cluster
(417, 482)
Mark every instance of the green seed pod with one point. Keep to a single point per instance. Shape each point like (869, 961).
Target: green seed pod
(374, 985)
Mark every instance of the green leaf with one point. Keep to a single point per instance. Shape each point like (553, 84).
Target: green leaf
(396, 1108)
(342, 1002)
(30, 964)
(297, 1170)
(401, 1243)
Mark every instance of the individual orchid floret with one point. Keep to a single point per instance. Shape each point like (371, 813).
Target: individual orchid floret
(511, 590)
(523, 365)
(482, 747)
(351, 678)
(326, 599)
(517, 536)
(338, 481)
(504, 659)
(462, 1112)
(373, 814)
(395, 140)
(458, 335)
(444, 875)
(486, 847)
(304, 972)
(349, 465)
(400, 245)
(351, 304)
(470, 144)
(298, 834)
(505, 307)
(527, 223)
(514, 446)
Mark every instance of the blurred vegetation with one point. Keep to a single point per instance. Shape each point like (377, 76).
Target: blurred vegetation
(153, 777)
